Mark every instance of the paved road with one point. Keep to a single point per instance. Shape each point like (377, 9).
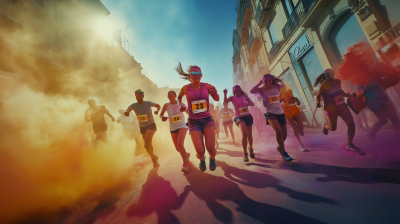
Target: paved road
(324, 185)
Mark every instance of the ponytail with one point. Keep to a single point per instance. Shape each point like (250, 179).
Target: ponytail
(185, 76)
(321, 78)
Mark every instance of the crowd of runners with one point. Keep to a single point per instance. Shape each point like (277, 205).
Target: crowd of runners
(204, 121)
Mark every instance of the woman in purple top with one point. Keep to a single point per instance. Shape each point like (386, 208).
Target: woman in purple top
(200, 122)
(270, 95)
(334, 106)
(243, 118)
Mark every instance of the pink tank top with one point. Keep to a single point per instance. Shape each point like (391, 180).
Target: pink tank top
(240, 104)
(198, 102)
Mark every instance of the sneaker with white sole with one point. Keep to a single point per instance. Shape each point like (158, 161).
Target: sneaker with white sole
(185, 169)
(324, 130)
(352, 147)
(245, 157)
(303, 148)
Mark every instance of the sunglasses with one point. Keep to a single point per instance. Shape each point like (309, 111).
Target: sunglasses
(195, 73)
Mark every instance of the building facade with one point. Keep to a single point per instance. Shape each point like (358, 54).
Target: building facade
(298, 39)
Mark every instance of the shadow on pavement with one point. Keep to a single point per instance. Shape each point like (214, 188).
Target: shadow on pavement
(101, 211)
(262, 180)
(158, 196)
(334, 173)
(213, 189)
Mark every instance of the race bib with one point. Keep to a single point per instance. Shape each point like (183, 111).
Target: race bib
(199, 106)
(243, 110)
(142, 118)
(339, 100)
(274, 99)
(226, 116)
(176, 118)
(292, 102)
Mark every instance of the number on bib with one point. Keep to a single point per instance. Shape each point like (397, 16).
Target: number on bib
(199, 106)
(339, 100)
(274, 99)
(243, 110)
(292, 102)
(226, 116)
(142, 118)
(176, 118)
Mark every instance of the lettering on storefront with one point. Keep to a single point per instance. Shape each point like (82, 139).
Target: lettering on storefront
(299, 48)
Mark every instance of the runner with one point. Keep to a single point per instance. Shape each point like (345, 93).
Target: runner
(128, 124)
(270, 95)
(243, 118)
(334, 106)
(201, 123)
(292, 114)
(95, 114)
(146, 122)
(227, 115)
(215, 115)
(177, 125)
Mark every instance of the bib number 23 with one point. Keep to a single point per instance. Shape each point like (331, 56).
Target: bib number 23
(199, 106)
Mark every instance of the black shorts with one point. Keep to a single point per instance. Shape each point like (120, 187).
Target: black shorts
(151, 127)
(248, 120)
(280, 117)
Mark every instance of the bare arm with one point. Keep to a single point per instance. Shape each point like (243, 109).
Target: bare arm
(213, 92)
(108, 114)
(158, 108)
(255, 89)
(249, 101)
(163, 111)
(320, 92)
(182, 93)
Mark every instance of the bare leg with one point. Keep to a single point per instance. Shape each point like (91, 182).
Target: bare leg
(148, 145)
(280, 133)
(249, 130)
(243, 129)
(345, 114)
(178, 139)
(209, 135)
(332, 123)
(295, 128)
(198, 143)
(231, 130)
(300, 124)
(226, 130)
(390, 111)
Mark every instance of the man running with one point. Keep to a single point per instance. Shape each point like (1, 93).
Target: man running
(146, 122)
(95, 114)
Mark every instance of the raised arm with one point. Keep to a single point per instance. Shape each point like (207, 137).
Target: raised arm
(213, 92)
(255, 89)
(225, 98)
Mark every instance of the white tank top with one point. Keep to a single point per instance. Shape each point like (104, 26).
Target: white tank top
(272, 100)
(226, 115)
(175, 116)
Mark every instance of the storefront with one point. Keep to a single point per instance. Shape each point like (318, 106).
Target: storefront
(307, 67)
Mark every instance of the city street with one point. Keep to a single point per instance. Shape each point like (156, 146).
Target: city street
(323, 185)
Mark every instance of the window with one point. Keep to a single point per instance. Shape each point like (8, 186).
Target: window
(288, 6)
(272, 34)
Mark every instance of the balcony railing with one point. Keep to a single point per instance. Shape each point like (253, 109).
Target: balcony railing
(297, 16)
(390, 35)
(253, 44)
(273, 51)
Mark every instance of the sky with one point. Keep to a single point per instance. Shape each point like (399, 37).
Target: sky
(162, 33)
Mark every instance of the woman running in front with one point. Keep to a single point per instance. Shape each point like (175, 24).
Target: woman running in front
(292, 114)
(201, 123)
(334, 106)
(270, 95)
(227, 122)
(177, 126)
(243, 118)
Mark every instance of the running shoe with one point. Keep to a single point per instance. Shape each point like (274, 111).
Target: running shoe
(324, 130)
(245, 157)
(370, 136)
(202, 164)
(303, 148)
(352, 147)
(251, 153)
(286, 157)
(213, 164)
(155, 159)
(185, 169)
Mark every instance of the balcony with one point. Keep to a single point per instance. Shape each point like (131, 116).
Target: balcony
(244, 16)
(390, 35)
(273, 51)
(297, 16)
(254, 43)
(261, 14)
